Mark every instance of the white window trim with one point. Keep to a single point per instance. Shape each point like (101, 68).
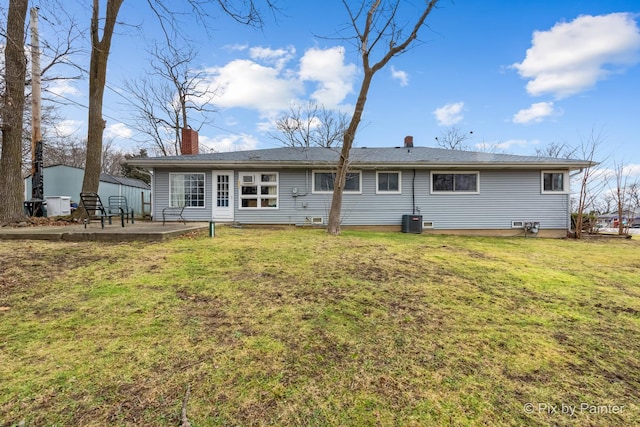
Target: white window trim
(565, 182)
(378, 191)
(204, 200)
(313, 182)
(459, 172)
(258, 182)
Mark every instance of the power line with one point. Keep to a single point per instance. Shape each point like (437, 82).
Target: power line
(78, 104)
(118, 92)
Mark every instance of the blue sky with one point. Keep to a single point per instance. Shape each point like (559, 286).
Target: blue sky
(518, 74)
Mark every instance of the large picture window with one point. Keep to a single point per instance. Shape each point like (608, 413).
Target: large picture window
(388, 182)
(323, 182)
(258, 190)
(555, 182)
(186, 189)
(455, 182)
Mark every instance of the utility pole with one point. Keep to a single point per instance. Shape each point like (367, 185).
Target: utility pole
(36, 208)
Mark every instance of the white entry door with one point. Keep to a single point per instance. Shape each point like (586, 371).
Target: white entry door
(223, 195)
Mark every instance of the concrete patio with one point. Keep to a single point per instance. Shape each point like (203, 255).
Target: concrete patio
(141, 230)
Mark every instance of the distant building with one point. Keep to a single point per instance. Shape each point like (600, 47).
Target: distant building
(61, 180)
(612, 219)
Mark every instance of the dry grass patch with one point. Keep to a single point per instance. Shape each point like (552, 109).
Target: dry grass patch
(295, 327)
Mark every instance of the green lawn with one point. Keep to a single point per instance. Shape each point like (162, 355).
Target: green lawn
(295, 327)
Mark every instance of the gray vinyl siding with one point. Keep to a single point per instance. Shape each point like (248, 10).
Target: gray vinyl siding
(367, 208)
(289, 211)
(161, 196)
(505, 196)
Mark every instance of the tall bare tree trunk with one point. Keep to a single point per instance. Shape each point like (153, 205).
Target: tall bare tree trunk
(333, 225)
(380, 27)
(621, 224)
(11, 182)
(97, 80)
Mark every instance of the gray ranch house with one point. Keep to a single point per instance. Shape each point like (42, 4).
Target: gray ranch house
(446, 191)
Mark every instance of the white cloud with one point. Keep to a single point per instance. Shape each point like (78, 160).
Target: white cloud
(449, 114)
(118, 130)
(278, 57)
(631, 171)
(68, 127)
(573, 56)
(327, 67)
(236, 47)
(266, 126)
(534, 114)
(402, 76)
(245, 83)
(227, 143)
(62, 88)
(267, 82)
(505, 146)
(512, 143)
(268, 54)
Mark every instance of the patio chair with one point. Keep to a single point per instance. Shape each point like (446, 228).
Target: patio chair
(95, 209)
(120, 202)
(175, 211)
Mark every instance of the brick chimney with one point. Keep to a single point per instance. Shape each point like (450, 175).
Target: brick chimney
(408, 141)
(189, 141)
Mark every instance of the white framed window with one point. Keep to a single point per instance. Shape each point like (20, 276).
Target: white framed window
(554, 182)
(388, 182)
(448, 182)
(186, 189)
(258, 190)
(323, 182)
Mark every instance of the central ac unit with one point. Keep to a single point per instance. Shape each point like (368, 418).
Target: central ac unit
(412, 224)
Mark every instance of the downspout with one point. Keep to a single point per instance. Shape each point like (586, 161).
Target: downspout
(413, 191)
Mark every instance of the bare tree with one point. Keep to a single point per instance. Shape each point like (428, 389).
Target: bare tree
(58, 43)
(12, 111)
(112, 158)
(150, 113)
(310, 125)
(634, 202)
(72, 151)
(604, 204)
(100, 47)
(245, 12)
(164, 106)
(375, 23)
(623, 194)
(69, 151)
(489, 147)
(589, 190)
(557, 151)
(454, 138)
